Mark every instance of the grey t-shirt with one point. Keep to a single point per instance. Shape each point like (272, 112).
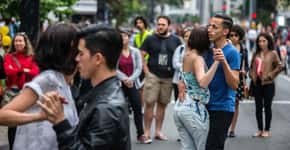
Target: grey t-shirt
(40, 135)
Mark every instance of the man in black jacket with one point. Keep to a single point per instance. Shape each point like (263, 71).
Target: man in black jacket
(103, 120)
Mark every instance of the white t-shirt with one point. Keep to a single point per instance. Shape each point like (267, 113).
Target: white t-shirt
(252, 34)
(40, 135)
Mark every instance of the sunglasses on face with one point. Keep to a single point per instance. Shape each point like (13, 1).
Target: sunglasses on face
(232, 35)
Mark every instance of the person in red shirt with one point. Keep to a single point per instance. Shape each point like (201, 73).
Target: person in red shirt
(19, 65)
(19, 68)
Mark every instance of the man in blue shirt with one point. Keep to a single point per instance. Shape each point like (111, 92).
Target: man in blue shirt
(222, 88)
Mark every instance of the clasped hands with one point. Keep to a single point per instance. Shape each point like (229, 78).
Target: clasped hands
(128, 83)
(218, 54)
(52, 107)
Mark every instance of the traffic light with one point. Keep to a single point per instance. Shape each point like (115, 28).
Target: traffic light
(254, 15)
(224, 7)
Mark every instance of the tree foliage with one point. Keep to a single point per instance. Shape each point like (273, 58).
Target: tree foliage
(59, 7)
(285, 4)
(264, 10)
(170, 2)
(11, 8)
(123, 9)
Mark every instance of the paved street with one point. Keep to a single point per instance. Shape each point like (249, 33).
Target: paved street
(245, 128)
(3, 139)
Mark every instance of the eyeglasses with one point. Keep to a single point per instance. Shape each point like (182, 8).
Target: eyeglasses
(232, 35)
(212, 26)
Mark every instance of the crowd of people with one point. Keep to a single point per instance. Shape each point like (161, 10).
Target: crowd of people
(207, 68)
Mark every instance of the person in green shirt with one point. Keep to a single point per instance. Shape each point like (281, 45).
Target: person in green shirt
(142, 25)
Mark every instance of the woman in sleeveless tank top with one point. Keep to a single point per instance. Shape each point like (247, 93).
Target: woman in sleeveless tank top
(190, 115)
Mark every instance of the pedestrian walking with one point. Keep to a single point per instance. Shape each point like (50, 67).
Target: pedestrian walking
(252, 35)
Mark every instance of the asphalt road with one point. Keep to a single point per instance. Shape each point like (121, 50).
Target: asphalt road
(246, 126)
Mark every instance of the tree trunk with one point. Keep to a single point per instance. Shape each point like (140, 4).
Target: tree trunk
(29, 17)
(101, 6)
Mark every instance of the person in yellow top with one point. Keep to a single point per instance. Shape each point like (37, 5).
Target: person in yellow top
(142, 25)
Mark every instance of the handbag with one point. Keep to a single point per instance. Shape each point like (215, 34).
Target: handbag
(9, 94)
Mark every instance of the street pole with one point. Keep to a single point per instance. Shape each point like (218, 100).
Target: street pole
(151, 12)
(201, 11)
(101, 6)
(244, 9)
(211, 7)
(29, 18)
(253, 9)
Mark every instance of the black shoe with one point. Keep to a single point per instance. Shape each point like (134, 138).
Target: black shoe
(232, 134)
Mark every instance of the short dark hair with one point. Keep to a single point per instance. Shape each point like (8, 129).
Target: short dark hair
(270, 40)
(142, 19)
(227, 20)
(57, 48)
(166, 18)
(199, 40)
(239, 30)
(106, 40)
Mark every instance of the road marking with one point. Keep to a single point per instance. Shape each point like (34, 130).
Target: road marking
(274, 102)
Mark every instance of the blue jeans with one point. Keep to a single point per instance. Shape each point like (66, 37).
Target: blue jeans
(192, 122)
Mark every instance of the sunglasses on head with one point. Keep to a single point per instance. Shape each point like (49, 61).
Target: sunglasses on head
(21, 33)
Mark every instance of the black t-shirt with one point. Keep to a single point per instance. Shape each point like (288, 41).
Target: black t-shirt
(161, 50)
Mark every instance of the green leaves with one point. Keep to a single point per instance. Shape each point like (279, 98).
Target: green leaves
(170, 2)
(10, 8)
(122, 10)
(59, 7)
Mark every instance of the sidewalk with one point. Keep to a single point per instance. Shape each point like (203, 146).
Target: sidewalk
(3, 138)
